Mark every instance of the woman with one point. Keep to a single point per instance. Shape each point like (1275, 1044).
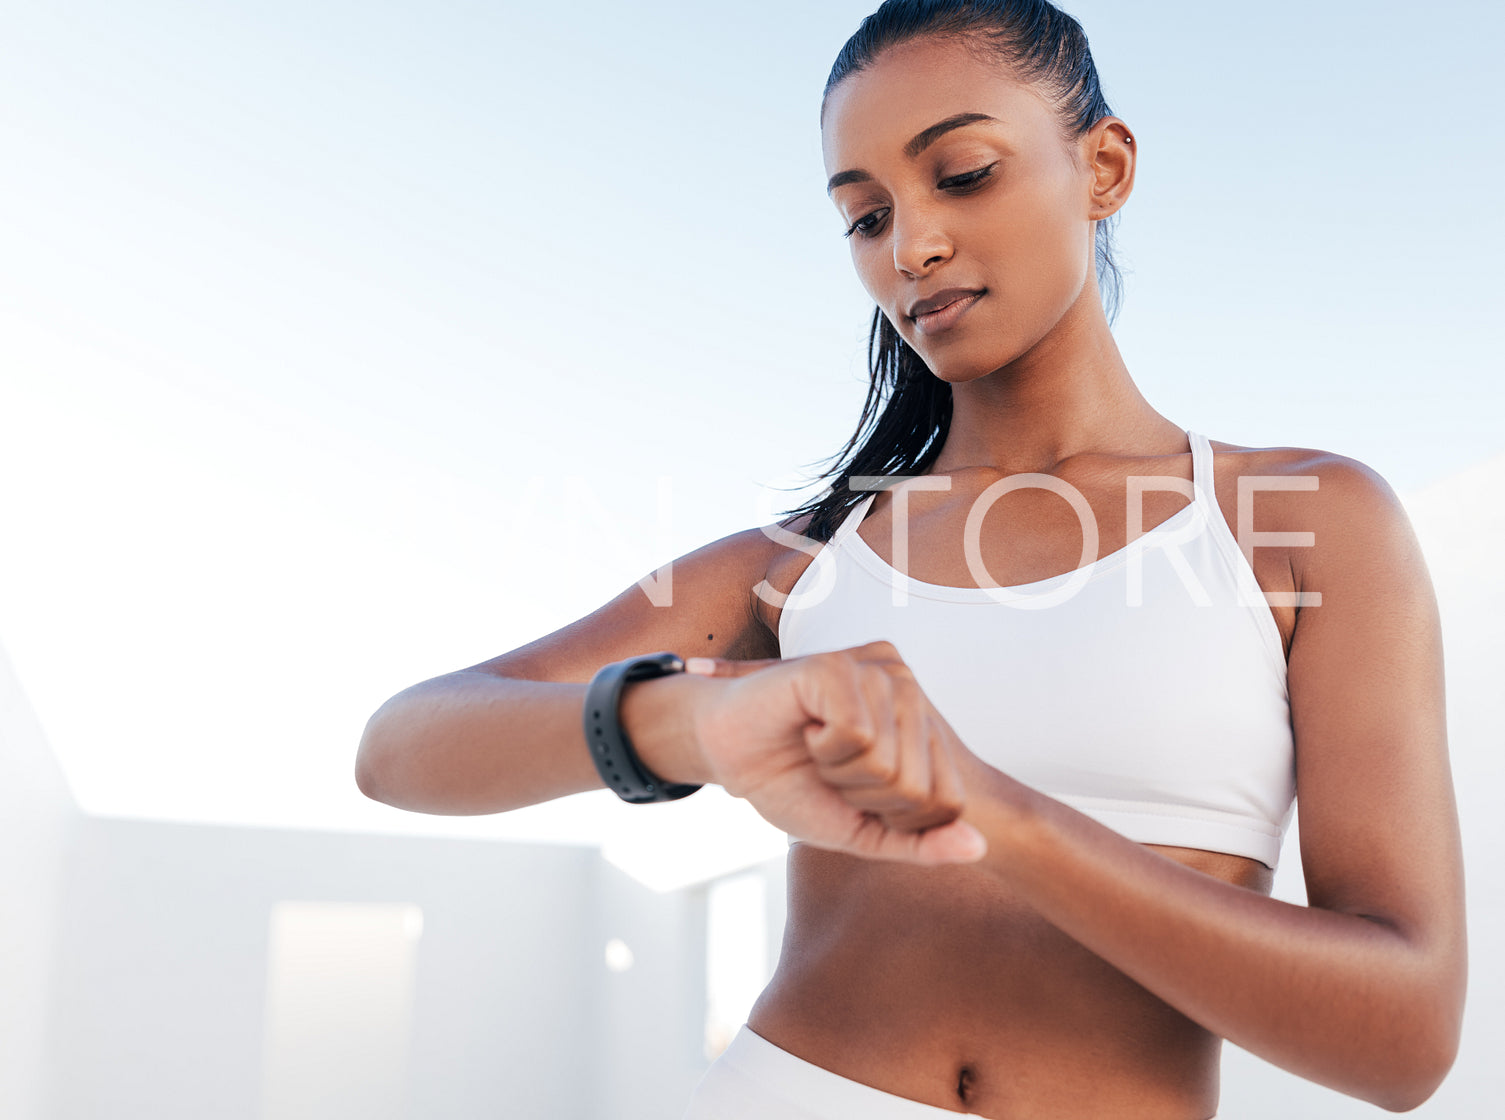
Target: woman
(1036, 760)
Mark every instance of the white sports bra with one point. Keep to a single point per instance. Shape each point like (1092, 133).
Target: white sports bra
(1163, 714)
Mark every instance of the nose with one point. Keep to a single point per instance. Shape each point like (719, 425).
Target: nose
(920, 240)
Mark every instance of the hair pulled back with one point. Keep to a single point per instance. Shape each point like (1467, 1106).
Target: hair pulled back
(1041, 46)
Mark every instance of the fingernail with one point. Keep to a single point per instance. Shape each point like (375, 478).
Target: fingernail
(703, 665)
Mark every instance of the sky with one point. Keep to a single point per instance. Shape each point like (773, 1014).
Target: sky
(345, 345)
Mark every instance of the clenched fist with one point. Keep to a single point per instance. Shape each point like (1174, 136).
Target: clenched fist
(841, 749)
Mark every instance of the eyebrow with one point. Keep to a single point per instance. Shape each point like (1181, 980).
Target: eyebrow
(922, 140)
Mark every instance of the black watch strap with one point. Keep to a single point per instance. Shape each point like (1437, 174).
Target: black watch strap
(610, 749)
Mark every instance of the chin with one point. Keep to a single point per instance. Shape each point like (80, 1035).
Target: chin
(958, 368)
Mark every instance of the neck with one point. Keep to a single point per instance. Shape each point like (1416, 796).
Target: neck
(1069, 395)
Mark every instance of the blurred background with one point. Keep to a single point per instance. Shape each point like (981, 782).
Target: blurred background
(344, 345)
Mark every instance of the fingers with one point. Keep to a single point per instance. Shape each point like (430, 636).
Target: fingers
(844, 725)
(893, 778)
(957, 842)
(868, 836)
(895, 767)
(837, 826)
(868, 755)
(937, 799)
(878, 749)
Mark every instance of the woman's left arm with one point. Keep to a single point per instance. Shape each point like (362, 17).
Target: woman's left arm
(1361, 990)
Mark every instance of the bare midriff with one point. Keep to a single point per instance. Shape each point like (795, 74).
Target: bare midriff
(933, 983)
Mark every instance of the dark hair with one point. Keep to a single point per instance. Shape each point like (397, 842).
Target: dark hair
(1042, 46)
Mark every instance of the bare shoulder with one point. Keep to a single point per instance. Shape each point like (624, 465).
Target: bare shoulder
(1305, 489)
(1290, 462)
(1302, 487)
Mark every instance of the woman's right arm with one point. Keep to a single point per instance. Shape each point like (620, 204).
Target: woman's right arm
(840, 748)
(507, 732)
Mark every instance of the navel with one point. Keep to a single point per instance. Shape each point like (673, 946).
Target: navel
(964, 1084)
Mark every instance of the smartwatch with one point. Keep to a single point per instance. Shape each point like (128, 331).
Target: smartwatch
(610, 749)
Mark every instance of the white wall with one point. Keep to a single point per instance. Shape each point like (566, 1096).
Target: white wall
(134, 958)
(37, 818)
(516, 1015)
(647, 1057)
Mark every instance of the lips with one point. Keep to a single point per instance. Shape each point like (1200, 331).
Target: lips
(940, 300)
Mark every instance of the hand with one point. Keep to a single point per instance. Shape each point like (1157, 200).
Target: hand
(841, 749)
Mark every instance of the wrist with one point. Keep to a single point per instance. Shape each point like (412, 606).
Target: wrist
(999, 806)
(658, 717)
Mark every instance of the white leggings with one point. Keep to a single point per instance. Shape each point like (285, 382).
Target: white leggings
(753, 1079)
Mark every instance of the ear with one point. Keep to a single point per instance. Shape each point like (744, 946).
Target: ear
(1111, 152)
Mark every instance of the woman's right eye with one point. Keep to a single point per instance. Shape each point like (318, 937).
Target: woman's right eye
(865, 225)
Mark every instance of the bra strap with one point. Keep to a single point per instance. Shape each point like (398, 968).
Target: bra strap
(1201, 473)
(853, 518)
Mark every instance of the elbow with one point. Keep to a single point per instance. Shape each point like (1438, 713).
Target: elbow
(1413, 1096)
(370, 770)
(1424, 1029)
(367, 779)
(1421, 1064)
(1427, 1074)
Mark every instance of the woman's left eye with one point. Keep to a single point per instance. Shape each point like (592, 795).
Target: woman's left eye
(970, 179)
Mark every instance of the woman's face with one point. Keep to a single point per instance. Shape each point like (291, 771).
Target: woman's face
(996, 207)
